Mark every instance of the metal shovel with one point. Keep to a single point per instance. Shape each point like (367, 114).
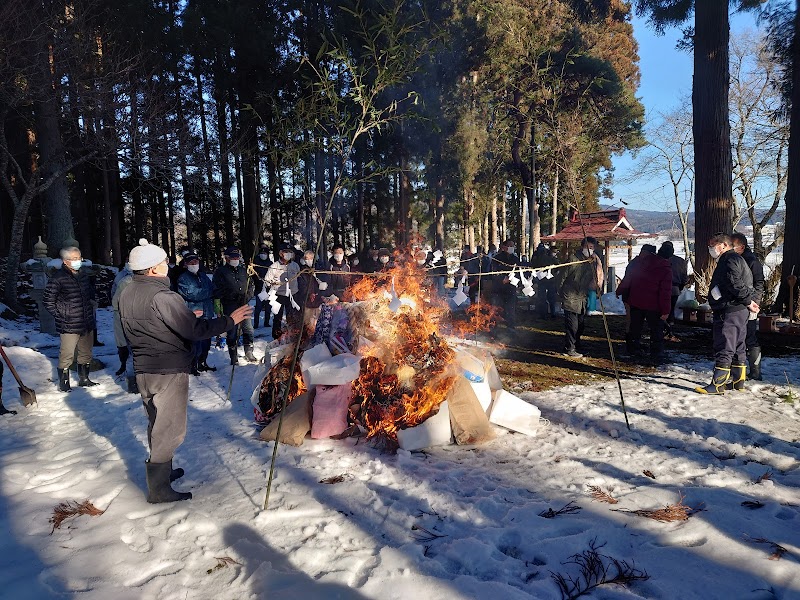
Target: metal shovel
(26, 394)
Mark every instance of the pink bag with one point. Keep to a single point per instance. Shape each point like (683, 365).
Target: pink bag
(330, 410)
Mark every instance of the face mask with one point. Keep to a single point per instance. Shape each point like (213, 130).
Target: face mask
(420, 262)
(384, 259)
(511, 249)
(587, 252)
(288, 256)
(193, 268)
(263, 256)
(75, 264)
(338, 257)
(234, 263)
(308, 262)
(355, 262)
(713, 252)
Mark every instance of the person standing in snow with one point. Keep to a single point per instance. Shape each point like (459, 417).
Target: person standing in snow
(233, 288)
(680, 276)
(576, 281)
(283, 271)
(121, 281)
(732, 298)
(504, 295)
(161, 329)
(751, 343)
(195, 288)
(69, 297)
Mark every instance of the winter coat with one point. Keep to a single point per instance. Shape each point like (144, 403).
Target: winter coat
(261, 266)
(340, 280)
(757, 270)
(576, 281)
(198, 292)
(232, 286)
(648, 286)
(503, 261)
(279, 273)
(680, 274)
(122, 280)
(160, 328)
(734, 280)
(68, 297)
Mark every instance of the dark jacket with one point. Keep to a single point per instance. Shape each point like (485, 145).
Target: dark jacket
(160, 328)
(680, 274)
(757, 270)
(735, 282)
(503, 261)
(68, 297)
(648, 285)
(576, 281)
(197, 291)
(231, 286)
(339, 281)
(260, 266)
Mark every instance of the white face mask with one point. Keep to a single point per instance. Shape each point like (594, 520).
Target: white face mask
(355, 262)
(308, 262)
(713, 252)
(75, 264)
(338, 257)
(193, 268)
(587, 252)
(511, 249)
(234, 263)
(287, 256)
(263, 256)
(384, 259)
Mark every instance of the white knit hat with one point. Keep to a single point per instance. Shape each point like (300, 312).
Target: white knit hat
(145, 255)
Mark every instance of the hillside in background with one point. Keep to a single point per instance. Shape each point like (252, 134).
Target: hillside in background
(653, 221)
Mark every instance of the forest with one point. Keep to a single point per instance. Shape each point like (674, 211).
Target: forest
(207, 123)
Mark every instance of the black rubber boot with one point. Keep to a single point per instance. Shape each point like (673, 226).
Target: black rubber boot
(175, 474)
(63, 380)
(133, 387)
(248, 354)
(158, 484)
(124, 354)
(83, 376)
(738, 376)
(720, 379)
(754, 358)
(97, 342)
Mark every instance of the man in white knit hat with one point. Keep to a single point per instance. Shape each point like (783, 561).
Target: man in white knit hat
(161, 330)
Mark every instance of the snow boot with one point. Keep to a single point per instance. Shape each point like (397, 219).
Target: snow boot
(124, 353)
(159, 477)
(721, 378)
(175, 474)
(248, 354)
(83, 376)
(738, 377)
(63, 380)
(133, 387)
(754, 358)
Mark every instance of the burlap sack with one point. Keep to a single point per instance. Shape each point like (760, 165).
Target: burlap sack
(467, 418)
(296, 422)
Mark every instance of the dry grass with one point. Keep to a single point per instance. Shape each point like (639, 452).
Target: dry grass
(336, 479)
(222, 562)
(672, 512)
(764, 477)
(601, 495)
(777, 550)
(567, 509)
(68, 510)
(649, 474)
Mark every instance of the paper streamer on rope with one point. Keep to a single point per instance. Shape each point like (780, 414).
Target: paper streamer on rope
(512, 278)
(295, 305)
(437, 255)
(394, 302)
(539, 274)
(527, 285)
(262, 295)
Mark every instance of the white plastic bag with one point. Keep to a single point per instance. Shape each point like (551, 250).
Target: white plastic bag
(341, 369)
(685, 296)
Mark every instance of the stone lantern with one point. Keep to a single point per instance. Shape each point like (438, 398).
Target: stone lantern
(37, 267)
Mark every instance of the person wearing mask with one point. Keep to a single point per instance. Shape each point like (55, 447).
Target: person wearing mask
(505, 294)
(732, 299)
(339, 281)
(283, 271)
(384, 260)
(576, 281)
(546, 301)
(647, 288)
(261, 266)
(311, 288)
(121, 281)
(233, 288)
(161, 330)
(196, 289)
(680, 277)
(356, 268)
(372, 263)
(751, 343)
(69, 297)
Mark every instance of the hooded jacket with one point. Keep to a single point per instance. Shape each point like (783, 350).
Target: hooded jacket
(576, 281)
(68, 297)
(160, 328)
(734, 280)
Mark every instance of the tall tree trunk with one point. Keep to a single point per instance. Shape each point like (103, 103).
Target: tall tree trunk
(554, 215)
(711, 125)
(224, 152)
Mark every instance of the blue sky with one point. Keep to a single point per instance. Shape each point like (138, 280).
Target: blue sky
(666, 76)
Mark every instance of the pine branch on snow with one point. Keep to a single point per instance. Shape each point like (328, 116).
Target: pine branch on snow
(596, 569)
(601, 495)
(671, 512)
(777, 550)
(68, 510)
(567, 509)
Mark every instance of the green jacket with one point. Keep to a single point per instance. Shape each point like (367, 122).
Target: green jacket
(575, 283)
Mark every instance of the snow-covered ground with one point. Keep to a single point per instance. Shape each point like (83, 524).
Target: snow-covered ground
(451, 522)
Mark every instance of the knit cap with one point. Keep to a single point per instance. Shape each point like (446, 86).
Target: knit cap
(145, 256)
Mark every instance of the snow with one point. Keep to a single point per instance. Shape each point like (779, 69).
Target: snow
(366, 537)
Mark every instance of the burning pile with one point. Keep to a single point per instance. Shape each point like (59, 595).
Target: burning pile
(386, 348)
